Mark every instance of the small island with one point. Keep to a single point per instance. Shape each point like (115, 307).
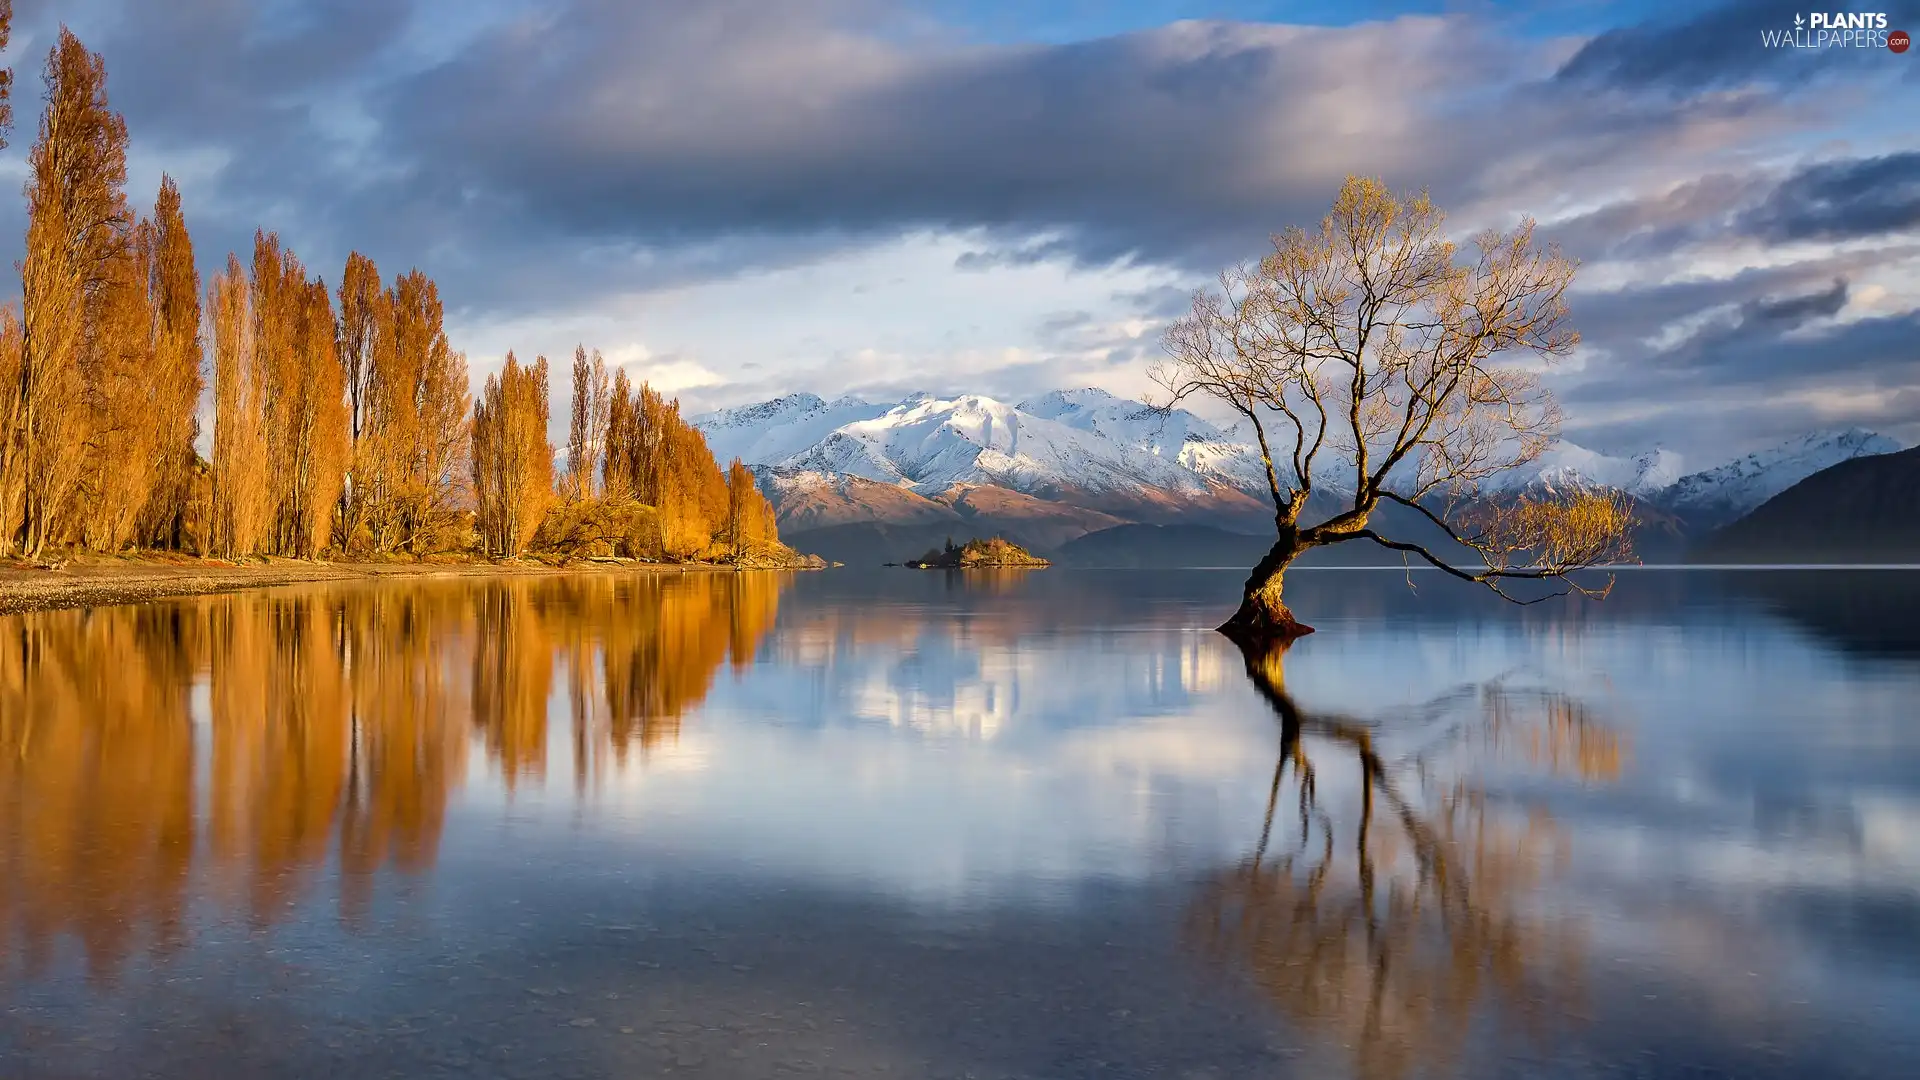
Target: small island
(975, 554)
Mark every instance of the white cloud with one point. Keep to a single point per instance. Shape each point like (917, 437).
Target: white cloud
(898, 314)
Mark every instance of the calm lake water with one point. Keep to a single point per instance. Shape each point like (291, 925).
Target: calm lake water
(924, 825)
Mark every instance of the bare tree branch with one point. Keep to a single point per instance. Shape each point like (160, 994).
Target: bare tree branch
(1431, 363)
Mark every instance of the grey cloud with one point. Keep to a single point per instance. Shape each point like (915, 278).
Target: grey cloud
(1744, 419)
(1757, 308)
(1835, 199)
(1790, 311)
(1716, 48)
(1158, 302)
(1131, 142)
(1689, 214)
(1839, 200)
(1739, 387)
(1023, 254)
(1062, 325)
(1744, 377)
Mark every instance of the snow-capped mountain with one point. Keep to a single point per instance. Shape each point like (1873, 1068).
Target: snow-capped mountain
(1083, 440)
(1567, 466)
(1223, 454)
(1704, 499)
(1110, 454)
(1726, 492)
(773, 431)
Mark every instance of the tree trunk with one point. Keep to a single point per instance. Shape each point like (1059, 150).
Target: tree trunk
(1263, 620)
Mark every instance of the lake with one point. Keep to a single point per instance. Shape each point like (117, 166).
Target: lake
(1046, 824)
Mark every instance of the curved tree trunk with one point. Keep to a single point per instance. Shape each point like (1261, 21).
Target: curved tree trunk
(1263, 620)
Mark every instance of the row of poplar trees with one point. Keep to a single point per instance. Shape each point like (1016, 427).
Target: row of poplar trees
(342, 420)
(639, 479)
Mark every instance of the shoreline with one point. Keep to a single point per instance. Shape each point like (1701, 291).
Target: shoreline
(99, 581)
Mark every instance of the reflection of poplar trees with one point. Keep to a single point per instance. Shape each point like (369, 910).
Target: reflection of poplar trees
(667, 642)
(638, 653)
(338, 724)
(408, 739)
(279, 765)
(96, 784)
(1388, 932)
(512, 676)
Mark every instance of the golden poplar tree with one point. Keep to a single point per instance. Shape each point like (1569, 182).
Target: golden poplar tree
(366, 333)
(422, 401)
(616, 459)
(587, 429)
(77, 225)
(324, 436)
(512, 460)
(305, 409)
(240, 491)
(749, 525)
(692, 493)
(11, 481)
(116, 362)
(175, 376)
(654, 457)
(140, 366)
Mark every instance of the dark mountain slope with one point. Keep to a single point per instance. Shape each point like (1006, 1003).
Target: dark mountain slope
(1863, 510)
(870, 544)
(1161, 547)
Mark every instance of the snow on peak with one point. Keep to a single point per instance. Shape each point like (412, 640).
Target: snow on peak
(761, 413)
(1732, 489)
(1055, 404)
(1567, 466)
(773, 431)
(1713, 495)
(1657, 469)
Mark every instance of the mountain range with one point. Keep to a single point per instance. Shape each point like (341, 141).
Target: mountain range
(1863, 510)
(863, 481)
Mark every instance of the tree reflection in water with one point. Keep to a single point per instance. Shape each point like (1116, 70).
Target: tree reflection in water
(239, 743)
(1391, 925)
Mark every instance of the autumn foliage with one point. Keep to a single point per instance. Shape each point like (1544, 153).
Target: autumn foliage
(342, 421)
(659, 493)
(512, 460)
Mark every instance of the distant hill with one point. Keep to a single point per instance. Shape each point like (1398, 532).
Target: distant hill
(1863, 510)
(1162, 547)
(1169, 547)
(1721, 495)
(873, 543)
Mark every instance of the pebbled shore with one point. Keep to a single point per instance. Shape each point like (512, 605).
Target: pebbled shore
(98, 581)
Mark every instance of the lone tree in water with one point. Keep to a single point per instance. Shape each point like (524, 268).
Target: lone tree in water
(1374, 361)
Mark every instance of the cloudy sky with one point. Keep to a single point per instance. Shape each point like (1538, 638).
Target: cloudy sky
(738, 198)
